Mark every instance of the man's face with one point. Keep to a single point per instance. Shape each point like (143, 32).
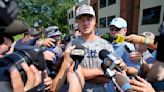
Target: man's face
(114, 30)
(28, 38)
(86, 24)
(5, 46)
(57, 38)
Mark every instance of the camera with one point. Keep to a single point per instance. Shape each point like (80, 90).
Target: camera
(27, 54)
(9, 10)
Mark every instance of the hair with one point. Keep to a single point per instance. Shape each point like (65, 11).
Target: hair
(9, 37)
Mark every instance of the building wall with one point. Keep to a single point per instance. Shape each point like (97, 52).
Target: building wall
(144, 4)
(133, 13)
(129, 10)
(71, 21)
(107, 11)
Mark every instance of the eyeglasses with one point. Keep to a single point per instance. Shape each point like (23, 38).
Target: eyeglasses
(115, 29)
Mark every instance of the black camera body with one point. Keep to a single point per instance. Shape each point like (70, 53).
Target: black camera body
(9, 10)
(27, 54)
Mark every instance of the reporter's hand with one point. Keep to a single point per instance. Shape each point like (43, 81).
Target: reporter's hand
(141, 85)
(47, 81)
(135, 39)
(122, 65)
(48, 55)
(75, 79)
(48, 42)
(59, 80)
(135, 56)
(67, 59)
(123, 81)
(33, 78)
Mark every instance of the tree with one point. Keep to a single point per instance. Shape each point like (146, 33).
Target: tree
(46, 12)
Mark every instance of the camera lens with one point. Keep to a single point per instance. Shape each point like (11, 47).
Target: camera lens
(29, 54)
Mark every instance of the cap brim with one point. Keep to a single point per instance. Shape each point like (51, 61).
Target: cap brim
(115, 25)
(53, 34)
(85, 14)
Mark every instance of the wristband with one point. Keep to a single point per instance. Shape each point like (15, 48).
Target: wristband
(126, 86)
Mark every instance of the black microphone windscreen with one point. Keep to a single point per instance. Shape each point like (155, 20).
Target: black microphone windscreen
(77, 55)
(103, 54)
(78, 46)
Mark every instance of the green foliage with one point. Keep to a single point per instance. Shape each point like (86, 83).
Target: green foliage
(17, 37)
(46, 12)
(106, 36)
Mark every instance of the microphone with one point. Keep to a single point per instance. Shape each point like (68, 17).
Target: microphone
(117, 38)
(109, 60)
(77, 55)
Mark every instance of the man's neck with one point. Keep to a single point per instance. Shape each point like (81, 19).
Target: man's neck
(90, 37)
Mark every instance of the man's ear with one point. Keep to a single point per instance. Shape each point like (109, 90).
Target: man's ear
(125, 30)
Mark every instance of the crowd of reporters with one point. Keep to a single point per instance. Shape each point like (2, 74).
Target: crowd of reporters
(59, 74)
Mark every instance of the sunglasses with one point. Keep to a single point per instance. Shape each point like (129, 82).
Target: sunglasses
(115, 29)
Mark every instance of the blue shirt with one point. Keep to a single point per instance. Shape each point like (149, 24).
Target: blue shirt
(57, 51)
(120, 50)
(31, 42)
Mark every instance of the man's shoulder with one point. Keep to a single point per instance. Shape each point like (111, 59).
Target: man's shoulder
(103, 40)
(105, 44)
(77, 40)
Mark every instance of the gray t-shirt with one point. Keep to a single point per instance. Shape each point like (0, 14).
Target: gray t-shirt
(92, 49)
(92, 60)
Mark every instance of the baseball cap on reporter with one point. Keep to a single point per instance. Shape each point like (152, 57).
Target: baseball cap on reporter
(149, 35)
(119, 23)
(85, 9)
(52, 31)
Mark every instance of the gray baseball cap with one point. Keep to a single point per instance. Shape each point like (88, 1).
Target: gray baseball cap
(52, 31)
(85, 9)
